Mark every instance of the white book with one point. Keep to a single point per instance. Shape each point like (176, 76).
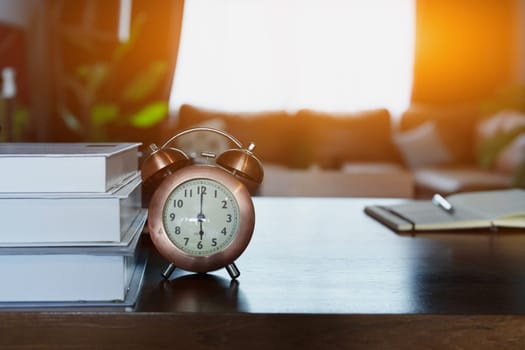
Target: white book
(66, 167)
(468, 210)
(71, 274)
(51, 218)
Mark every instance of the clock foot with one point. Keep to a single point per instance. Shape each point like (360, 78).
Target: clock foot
(167, 273)
(233, 271)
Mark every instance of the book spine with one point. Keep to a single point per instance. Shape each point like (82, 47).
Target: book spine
(120, 167)
(390, 218)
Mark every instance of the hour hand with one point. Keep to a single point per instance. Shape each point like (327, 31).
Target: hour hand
(200, 219)
(200, 216)
(201, 232)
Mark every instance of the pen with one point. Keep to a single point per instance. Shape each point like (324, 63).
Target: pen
(440, 201)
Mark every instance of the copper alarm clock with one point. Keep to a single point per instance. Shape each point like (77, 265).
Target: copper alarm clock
(201, 216)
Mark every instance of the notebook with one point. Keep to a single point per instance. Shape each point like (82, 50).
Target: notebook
(468, 210)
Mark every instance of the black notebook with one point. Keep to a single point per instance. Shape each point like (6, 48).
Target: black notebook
(469, 210)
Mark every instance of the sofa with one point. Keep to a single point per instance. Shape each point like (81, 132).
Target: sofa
(461, 148)
(361, 154)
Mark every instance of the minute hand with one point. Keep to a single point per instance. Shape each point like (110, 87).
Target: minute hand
(202, 199)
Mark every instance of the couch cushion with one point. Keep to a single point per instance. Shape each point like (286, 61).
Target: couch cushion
(353, 179)
(512, 157)
(422, 146)
(270, 131)
(338, 138)
(448, 180)
(455, 126)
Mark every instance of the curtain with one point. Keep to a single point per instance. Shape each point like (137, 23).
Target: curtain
(331, 55)
(465, 50)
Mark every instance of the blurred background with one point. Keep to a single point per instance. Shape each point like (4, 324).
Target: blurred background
(139, 70)
(85, 68)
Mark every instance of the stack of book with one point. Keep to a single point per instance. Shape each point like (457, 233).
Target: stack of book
(71, 222)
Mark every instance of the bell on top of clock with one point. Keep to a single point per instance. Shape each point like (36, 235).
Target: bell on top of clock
(242, 162)
(159, 164)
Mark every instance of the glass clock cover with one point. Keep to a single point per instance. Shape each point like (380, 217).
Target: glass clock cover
(201, 217)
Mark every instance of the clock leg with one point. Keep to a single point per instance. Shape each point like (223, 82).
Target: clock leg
(233, 271)
(169, 270)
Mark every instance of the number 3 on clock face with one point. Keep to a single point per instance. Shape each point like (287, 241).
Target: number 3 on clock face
(201, 217)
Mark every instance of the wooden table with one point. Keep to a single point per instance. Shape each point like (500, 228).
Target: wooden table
(318, 274)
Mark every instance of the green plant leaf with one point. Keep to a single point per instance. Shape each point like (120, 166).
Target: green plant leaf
(519, 177)
(145, 82)
(87, 80)
(21, 120)
(103, 113)
(70, 119)
(97, 76)
(82, 71)
(78, 39)
(150, 115)
(490, 148)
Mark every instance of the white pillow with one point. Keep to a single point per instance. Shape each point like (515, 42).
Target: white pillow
(422, 146)
(501, 122)
(512, 156)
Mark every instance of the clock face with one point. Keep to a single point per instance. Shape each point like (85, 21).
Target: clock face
(201, 217)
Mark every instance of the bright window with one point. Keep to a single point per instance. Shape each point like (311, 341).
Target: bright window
(330, 55)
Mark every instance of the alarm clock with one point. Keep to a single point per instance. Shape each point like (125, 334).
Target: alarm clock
(200, 215)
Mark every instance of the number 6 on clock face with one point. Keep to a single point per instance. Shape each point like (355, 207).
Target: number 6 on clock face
(201, 218)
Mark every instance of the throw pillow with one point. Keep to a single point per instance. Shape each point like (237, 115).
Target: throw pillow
(334, 139)
(422, 147)
(511, 157)
(496, 133)
(455, 125)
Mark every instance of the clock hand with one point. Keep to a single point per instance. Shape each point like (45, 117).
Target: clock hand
(202, 199)
(200, 216)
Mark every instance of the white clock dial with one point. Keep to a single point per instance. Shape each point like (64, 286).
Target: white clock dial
(201, 217)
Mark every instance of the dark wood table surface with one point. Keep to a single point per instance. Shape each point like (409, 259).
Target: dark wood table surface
(318, 273)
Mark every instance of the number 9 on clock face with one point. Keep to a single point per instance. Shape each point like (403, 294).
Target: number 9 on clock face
(201, 217)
